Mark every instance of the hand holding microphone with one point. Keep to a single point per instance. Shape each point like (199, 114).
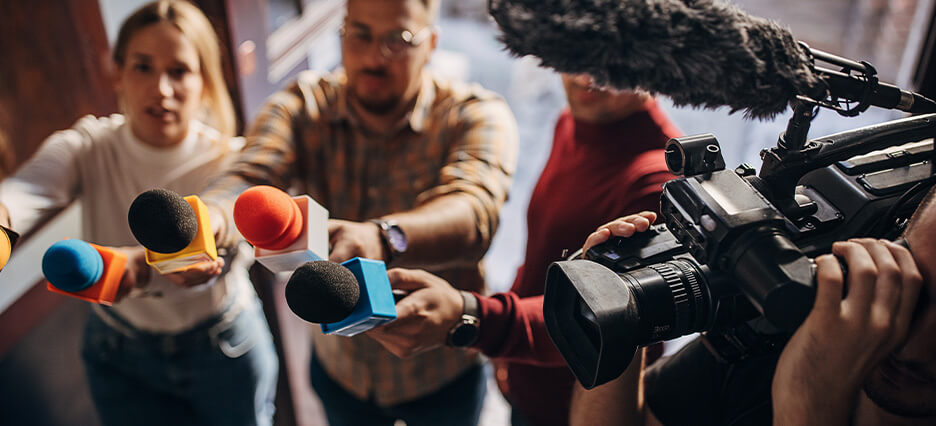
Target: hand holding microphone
(285, 231)
(426, 318)
(177, 235)
(355, 239)
(358, 298)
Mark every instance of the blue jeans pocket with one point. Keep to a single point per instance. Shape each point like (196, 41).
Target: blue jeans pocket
(236, 338)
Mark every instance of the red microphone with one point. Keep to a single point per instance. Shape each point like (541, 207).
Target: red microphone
(286, 232)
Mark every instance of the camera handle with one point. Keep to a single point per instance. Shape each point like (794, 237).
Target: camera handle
(849, 91)
(784, 165)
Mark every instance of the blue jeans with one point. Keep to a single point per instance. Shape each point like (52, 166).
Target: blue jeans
(220, 372)
(457, 404)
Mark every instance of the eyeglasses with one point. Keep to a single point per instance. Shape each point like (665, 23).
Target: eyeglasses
(392, 45)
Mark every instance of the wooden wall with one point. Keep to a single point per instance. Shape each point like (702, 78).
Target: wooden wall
(55, 67)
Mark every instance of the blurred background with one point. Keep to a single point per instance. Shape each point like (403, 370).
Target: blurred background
(55, 67)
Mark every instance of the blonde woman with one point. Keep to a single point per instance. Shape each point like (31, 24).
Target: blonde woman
(187, 348)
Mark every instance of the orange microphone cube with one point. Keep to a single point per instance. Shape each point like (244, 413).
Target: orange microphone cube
(83, 270)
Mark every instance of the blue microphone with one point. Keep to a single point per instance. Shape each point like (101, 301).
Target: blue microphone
(79, 269)
(72, 265)
(346, 299)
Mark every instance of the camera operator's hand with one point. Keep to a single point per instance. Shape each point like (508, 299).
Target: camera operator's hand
(424, 316)
(621, 227)
(821, 370)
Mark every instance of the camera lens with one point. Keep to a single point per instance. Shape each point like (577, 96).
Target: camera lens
(671, 299)
(598, 318)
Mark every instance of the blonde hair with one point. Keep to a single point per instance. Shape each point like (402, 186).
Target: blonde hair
(198, 30)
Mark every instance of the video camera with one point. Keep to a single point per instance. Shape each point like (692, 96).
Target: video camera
(736, 246)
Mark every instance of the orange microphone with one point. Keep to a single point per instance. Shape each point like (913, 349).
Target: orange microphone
(285, 231)
(86, 271)
(175, 231)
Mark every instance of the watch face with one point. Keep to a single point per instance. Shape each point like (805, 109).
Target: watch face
(396, 239)
(464, 335)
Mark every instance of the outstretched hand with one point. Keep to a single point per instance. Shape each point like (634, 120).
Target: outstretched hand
(136, 272)
(621, 227)
(197, 274)
(355, 239)
(424, 316)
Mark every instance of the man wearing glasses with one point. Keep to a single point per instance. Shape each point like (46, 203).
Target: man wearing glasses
(414, 170)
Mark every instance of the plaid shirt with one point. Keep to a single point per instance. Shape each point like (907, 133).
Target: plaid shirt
(459, 138)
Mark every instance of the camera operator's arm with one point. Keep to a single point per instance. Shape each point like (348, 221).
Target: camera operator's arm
(821, 370)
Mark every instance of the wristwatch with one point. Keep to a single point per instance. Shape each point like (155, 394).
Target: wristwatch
(466, 332)
(393, 238)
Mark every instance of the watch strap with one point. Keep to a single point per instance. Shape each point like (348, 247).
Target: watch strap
(384, 227)
(470, 318)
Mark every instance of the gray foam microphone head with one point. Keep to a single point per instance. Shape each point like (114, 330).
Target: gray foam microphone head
(322, 292)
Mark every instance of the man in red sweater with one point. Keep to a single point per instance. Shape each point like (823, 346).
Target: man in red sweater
(606, 161)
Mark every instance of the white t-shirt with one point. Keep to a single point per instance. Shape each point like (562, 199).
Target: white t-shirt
(101, 163)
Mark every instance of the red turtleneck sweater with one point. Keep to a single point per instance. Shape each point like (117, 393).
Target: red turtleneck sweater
(595, 173)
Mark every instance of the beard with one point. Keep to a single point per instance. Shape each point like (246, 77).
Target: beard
(372, 102)
(376, 106)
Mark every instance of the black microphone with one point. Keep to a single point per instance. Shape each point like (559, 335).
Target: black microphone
(175, 231)
(346, 299)
(162, 221)
(704, 53)
(322, 292)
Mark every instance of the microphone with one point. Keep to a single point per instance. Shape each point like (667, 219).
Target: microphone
(704, 53)
(86, 271)
(7, 241)
(285, 231)
(175, 231)
(346, 299)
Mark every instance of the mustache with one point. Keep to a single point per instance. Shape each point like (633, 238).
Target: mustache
(375, 72)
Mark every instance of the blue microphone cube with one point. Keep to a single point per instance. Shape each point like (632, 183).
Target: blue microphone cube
(375, 305)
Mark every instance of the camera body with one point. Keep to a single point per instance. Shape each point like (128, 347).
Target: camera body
(734, 246)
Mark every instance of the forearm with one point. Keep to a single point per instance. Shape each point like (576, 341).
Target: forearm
(513, 329)
(799, 407)
(442, 232)
(268, 158)
(618, 402)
